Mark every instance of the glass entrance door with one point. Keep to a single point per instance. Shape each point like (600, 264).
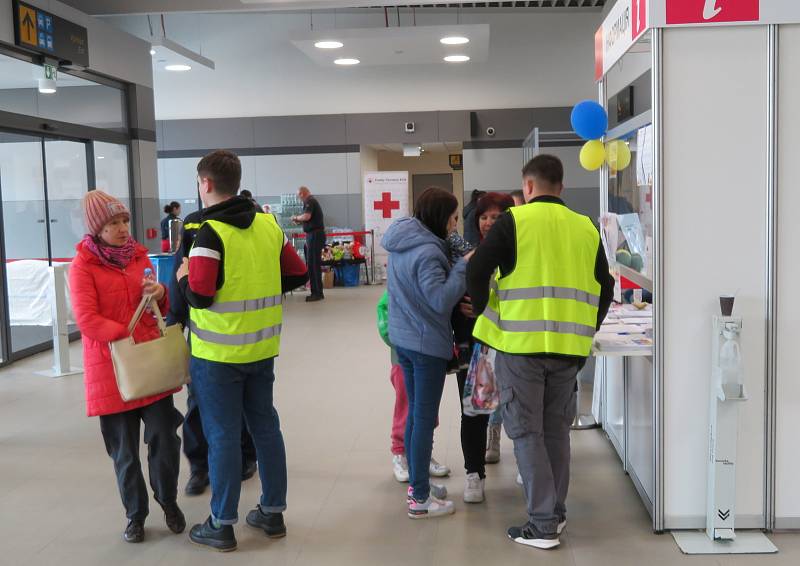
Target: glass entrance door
(41, 184)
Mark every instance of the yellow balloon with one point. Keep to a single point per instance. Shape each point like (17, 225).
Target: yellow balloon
(593, 153)
(619, 155)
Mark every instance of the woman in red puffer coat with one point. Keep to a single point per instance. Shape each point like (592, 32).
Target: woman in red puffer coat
(106, 285)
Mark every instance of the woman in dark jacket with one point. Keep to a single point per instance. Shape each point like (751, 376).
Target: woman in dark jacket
(473, 429)
(173, 212)
(423, 290)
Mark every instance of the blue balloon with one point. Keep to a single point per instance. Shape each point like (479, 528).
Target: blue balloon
(589, 120)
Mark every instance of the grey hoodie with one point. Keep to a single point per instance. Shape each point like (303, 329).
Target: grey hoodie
(423, 289)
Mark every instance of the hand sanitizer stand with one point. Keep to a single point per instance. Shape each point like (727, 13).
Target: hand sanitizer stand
(726, 395)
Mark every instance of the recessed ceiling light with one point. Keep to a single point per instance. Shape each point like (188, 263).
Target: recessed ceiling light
(178, 68)
(152, 51)
(347, 61)
(454, 40)
(101, 157)
(328, 44)
(457, 58)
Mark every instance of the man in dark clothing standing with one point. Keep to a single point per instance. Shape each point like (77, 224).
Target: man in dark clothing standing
(195, 446)
(550, 295)
(313, 223)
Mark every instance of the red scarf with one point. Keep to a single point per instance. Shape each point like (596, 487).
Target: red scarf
(110, 256)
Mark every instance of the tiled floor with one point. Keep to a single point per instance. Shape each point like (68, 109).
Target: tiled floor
(59, 502)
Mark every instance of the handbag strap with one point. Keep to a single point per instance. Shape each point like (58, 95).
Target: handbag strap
(137, 316)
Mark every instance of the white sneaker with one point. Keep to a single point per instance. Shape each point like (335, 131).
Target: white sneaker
(400, 465)
(438, 470)
(561, 526)
(437, 490)
(493, 444)
(473, 489)
(519, 479)
(433, 507)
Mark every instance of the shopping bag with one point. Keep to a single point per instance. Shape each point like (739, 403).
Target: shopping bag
(152, 367)
(481, 394)
(383, 318)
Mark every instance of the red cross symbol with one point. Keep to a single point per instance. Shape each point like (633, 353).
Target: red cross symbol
(387, 205)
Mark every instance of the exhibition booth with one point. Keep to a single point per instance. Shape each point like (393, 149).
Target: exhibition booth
(702, 95)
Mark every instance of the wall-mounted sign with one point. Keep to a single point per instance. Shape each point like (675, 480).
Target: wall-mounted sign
(711, 11)
(456, 162)
(625, 23)
(50, 35)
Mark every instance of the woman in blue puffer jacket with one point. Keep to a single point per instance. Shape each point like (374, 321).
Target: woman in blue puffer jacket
(423, 290)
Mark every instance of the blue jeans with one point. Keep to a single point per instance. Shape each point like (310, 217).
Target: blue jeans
(225, 392)
(425, 377)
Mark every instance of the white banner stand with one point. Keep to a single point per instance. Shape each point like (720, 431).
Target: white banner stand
(61, 364)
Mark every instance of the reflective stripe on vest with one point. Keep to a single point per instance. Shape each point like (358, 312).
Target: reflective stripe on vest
(243, 325)
(246, 305)
(539, 325)
(548, 304)
(549, 293)
(236, 339)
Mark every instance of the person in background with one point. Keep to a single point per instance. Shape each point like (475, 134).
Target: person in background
(470, 231)
(313, 222)
(496, 418)
(423, 290)
(553, 282)
(244, 193)
(173, 212)
(474, 429)
(239, 266)
(195, 446)
(107, 282)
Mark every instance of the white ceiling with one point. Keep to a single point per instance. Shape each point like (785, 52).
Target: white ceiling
(410, 45)
(533, 60)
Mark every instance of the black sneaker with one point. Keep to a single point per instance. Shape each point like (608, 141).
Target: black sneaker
(134, 532)
(529, 535)
(174, 518)
(197, 483)
(249, 470)
(221, 539)
(315, 298)
(270, 523)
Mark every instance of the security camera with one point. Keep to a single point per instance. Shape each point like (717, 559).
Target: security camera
(410, 127)
(490, 131)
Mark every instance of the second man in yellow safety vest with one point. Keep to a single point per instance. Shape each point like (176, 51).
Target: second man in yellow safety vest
(237, 269)
(542, 282)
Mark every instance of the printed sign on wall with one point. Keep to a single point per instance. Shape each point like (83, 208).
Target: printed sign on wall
(625, 23)
(385, 200)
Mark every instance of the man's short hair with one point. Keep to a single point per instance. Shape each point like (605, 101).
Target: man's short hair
(224, 168)
(547, 168)
(246, 194)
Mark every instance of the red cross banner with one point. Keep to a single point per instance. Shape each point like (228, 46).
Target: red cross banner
(385, 200)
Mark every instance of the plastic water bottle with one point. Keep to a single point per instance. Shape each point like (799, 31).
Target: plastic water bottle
(149, 275)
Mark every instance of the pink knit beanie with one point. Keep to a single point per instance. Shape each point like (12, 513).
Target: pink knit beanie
(98, 210)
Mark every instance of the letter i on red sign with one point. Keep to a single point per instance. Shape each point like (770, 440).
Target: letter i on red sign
(711, 11)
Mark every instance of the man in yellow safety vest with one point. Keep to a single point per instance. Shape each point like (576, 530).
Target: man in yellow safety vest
(542, 282)
(238, 268)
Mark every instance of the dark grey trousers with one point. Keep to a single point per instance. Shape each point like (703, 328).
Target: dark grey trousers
(121, 433)
(537, 398)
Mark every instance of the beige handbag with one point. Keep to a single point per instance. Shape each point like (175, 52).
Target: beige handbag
(152, 367)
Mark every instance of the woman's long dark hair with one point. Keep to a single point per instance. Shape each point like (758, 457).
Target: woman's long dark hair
(433, 208)
(170, 208)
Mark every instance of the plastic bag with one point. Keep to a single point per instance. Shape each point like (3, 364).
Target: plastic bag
(383, 317)
(481, 394)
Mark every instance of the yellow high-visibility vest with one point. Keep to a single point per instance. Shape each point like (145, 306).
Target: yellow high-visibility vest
(548, 304)
(244, 323)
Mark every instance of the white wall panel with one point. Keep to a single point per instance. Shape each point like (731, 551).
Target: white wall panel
(324, 173)
(492, 169)
(788, 393)
(715, 195)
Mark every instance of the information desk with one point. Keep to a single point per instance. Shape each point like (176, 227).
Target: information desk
(625, 368)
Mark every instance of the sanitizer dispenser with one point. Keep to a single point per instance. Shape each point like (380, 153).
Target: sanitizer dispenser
(726, 395)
